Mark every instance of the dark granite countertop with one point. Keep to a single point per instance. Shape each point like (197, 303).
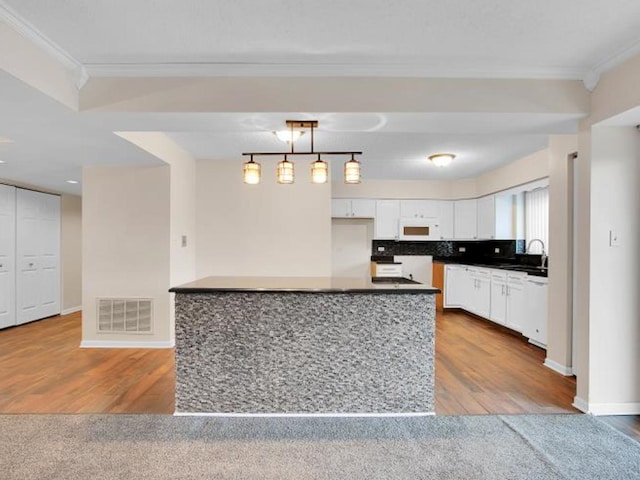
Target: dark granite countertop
(498, 264)
(299, 285)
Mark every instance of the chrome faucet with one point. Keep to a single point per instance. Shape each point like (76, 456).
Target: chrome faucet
(543, 257)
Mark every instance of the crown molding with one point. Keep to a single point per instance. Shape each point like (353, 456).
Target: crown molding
(31, 33)
(320, 70)
(592, 77)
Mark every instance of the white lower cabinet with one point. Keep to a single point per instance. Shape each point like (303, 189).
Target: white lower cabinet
(512, 299)
(536, 304)
(508, 306)
(480, 297)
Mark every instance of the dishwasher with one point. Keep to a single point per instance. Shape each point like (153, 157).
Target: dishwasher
(536, 316)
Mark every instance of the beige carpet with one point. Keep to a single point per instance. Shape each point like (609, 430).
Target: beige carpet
(448, 447)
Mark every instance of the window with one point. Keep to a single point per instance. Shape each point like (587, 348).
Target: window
(536, 214)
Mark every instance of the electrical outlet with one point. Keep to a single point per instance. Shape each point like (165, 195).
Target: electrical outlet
(381, 249)
(462, 249)
(496, 250)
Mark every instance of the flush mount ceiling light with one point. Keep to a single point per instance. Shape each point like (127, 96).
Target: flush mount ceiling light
(319, 168)
(442, 159)
(72, 182)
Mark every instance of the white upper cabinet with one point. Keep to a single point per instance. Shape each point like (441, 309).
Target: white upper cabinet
(445, 217)
(419, 208)
(486, 217)
(387, 216)
(353, 208)
(465, 219)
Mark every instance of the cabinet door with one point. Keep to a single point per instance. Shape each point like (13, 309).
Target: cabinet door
(340, 208)
(498, 300)
(363, 208)
(386, 223)
(445, 217)
(418, 208)
(516, 302)
(465, 218)
(7, 256)
(486, 217)
(483, 297)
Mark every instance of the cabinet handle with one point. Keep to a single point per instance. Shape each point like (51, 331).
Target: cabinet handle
(31, 264)
(503, 290)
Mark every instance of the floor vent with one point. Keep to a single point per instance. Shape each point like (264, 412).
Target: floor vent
(125, 315)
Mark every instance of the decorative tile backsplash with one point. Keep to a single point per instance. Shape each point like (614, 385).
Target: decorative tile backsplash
(450, 248)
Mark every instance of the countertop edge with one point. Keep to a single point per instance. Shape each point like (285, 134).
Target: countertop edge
(385, 290)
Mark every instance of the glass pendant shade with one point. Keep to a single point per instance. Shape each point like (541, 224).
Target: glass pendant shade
(288, 136)
(285, 171)
(251, 172)
(319, 171)
(352, 171)
(442, 159)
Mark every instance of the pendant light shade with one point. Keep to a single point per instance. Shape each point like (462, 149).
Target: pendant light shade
(285, 171)
(251, 172)
(288, 136)
(319, 171)
(352, 171)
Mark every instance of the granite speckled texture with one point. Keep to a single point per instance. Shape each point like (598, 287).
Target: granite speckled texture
(240, 352)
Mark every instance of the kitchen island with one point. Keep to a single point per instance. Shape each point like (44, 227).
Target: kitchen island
(271, 345)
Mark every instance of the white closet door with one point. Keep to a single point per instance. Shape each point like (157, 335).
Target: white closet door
(38, 255)
(7, 256)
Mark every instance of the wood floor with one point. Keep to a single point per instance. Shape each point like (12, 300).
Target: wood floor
(480, 368)
(42, 370)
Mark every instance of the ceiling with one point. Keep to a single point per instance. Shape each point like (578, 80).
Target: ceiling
(572, 39)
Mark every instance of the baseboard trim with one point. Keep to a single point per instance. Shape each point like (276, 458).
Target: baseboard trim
(580, 404)
(537, 344)
(68, 311)
(557, 367)
(125, 344)
(311, 415)
(631, 408)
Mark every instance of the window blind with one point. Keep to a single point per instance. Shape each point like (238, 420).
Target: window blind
(536, 212)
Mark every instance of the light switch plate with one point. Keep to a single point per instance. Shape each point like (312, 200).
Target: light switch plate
(614, 240)
(381, 249)
(184, 240)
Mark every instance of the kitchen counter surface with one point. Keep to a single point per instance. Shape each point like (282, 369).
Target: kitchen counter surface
(514, 267)
(299, 285)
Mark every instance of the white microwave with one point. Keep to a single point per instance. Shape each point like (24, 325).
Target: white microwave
(419, 229)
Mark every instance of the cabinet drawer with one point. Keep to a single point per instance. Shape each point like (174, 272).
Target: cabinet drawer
(385, 270)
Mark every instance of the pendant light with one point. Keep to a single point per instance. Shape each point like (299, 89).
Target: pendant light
(285, 171)
(319, 168)
(319, 171)
(352, 171)
(251, 172)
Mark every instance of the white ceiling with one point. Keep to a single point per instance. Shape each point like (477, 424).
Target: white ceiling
(456, 38)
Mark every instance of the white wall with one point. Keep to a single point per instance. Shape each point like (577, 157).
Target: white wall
(560, 306)
(614, 336)
(263, 230)
(71, 251)
(351, 247)
(125, 248)
(520, 171)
